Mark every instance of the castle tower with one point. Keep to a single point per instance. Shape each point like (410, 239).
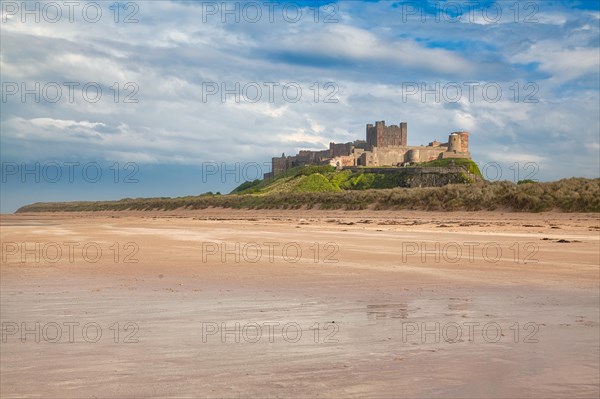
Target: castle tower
(381, 135)
(454, 143)
(374, 133)
(464, 139)
(403, 133)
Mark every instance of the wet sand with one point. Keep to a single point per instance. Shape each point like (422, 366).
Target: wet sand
(228, 303)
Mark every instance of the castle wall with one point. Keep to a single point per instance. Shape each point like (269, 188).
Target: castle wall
(446, 155)
(385, 146)
(389, 156)
(312, 156)
(340, 149)
(426, 154)
(394, 156)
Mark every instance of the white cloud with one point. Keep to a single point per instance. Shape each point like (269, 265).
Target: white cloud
(562, 62)
(347, 42)
(64, 124)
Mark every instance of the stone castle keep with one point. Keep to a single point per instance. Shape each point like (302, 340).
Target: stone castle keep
(384, 146)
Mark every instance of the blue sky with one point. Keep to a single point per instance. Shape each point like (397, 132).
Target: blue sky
(366, 59)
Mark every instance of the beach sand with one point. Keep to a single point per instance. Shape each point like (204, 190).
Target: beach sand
(306, 303)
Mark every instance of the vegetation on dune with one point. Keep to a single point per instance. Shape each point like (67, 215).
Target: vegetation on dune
(567, 195)
(246, 186)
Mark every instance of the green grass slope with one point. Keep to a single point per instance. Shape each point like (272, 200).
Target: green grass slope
(328, 179)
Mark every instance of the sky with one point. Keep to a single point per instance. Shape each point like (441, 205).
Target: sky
(105, 100)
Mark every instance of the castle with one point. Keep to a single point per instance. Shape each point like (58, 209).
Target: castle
(384, 146)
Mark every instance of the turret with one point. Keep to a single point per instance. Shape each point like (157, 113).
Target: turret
(464, 139)
(454, 143)
(413, 156)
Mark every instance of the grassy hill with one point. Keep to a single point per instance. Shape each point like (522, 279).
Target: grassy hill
(328, 179)
(325, 188)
